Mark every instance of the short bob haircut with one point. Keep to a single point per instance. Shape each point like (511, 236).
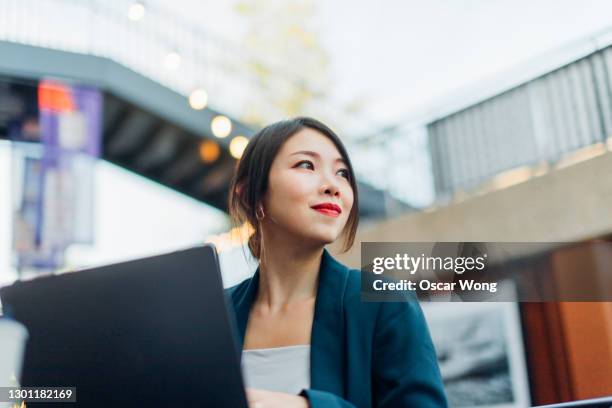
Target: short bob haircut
(250, 181)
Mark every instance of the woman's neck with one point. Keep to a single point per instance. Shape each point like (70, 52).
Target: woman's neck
(288, 274)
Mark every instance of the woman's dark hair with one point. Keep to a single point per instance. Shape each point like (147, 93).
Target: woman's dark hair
(250, 181)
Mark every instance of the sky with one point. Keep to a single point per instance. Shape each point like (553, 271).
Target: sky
(401, 55)
(406, 54)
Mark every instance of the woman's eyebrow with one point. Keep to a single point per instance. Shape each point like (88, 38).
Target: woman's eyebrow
(316, 155)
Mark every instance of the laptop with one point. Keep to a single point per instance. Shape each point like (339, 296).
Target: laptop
(605, 402)
(150, 332)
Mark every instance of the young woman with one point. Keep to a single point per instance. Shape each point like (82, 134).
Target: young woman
(307, 339)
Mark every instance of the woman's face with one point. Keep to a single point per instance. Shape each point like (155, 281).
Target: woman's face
(309, 194)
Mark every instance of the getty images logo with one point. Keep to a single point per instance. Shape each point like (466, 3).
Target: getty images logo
(414, 264)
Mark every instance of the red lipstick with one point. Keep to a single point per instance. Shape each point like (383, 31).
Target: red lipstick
(333, 210)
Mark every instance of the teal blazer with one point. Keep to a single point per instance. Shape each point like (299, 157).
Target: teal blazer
(363, 354)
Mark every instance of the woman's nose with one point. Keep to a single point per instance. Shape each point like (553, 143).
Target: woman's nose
(330, 186)
(332, 191)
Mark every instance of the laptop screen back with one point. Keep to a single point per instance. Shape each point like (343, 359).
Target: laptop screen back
(151, 332)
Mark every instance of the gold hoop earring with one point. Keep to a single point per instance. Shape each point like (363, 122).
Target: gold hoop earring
(259, 213)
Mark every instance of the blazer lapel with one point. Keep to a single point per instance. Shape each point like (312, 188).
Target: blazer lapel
(242, 306)
(327, 336)
(327, 351)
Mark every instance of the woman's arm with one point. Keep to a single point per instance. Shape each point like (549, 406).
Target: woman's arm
(405, 366)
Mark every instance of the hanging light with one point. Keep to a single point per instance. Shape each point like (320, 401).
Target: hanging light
(136, 11)
(172, 60)
(237, 146)
(198, 99)
(221, 126)
(209, 151)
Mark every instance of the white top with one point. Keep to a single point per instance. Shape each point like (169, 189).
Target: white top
(281, 369)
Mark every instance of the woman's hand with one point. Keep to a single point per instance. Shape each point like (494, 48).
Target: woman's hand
(269, 399)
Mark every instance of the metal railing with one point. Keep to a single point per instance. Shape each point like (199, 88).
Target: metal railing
(540, 122)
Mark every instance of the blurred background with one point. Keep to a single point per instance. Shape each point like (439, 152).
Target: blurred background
(466, 120)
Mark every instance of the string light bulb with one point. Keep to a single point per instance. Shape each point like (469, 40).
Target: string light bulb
(221, 126)
(237, 146)
(198, 99)
(209, 151)
(136, 11)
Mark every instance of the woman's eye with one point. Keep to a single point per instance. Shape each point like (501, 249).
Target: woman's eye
(305, 164)
(344, 173)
